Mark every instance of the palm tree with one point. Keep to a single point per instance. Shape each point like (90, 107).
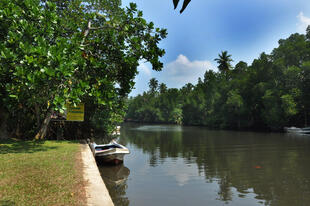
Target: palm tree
(185, 3)
(162, 88)
(224, 61)
(153, 84)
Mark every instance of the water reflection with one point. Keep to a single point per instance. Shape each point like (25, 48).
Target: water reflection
(238, 168)
(156, 128)
(115, 178)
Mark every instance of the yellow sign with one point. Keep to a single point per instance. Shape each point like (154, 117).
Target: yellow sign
(75, 113)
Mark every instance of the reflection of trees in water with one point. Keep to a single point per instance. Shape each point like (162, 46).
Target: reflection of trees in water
(225, 193)
(274, 168)
(169, 143)
(115, 178)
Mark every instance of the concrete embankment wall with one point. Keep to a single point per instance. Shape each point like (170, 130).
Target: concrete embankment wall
(96, 191)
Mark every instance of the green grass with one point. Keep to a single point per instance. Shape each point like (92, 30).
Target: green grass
(40, 173)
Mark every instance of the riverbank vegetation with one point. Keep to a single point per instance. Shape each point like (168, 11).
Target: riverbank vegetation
(272, 92)
(41, 173)
(80, 51)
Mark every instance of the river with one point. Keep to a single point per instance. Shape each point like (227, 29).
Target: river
(176, 165)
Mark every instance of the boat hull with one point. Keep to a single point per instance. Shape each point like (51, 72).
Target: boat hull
(115, 154)
(113, 158)
(297, 130)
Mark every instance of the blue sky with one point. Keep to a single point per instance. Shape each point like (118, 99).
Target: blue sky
(245, 28)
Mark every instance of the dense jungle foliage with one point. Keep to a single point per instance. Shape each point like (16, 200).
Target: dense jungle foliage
(55, 52)
(272, 92)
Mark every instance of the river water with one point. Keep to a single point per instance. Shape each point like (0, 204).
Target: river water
(175, 165)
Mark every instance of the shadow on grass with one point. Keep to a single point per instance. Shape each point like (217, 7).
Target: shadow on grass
(7, 203)
(19, 146)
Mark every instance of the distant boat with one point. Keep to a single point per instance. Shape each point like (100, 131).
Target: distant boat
(109, 153)
(305, 130)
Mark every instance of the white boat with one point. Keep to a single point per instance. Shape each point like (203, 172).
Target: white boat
(110, 153)
(292, 129)
(305, 130)
(296, 130)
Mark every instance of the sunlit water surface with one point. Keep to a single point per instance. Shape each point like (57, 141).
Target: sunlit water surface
(175, 165)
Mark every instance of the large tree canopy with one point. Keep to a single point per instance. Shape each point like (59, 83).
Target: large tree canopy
(54, 52)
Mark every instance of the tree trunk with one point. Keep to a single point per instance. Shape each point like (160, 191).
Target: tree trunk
(3, 125)
(37, 111)
(17, 130)
(42, 133)
(306, 120)
(239, 121)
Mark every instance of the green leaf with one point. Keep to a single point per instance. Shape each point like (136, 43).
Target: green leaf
(13, 96)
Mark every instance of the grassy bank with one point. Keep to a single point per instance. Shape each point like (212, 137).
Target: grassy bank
(40, 173)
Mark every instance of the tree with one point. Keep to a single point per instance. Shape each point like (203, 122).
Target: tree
(293, 51)
(187, 88)
(224, 61)
(235, 103)
(162, 88)
(308, 33)
(288, 105)
(176, 115)
(153, 85)
(240, 67)
(305, 91)
(82, 51)
(272, 92)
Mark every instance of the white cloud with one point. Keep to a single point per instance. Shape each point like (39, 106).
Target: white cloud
(304, 21)
(183, 71)
(145, 69)
(181, 173)
(174, 74)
